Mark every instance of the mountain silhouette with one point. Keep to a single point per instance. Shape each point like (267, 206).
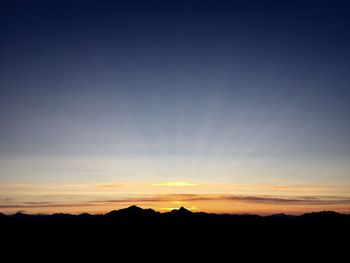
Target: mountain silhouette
(3, 217)
(181, 212)
(21, 215)
(132, 211)
(281, 215)
(146, 227)
(61, 216)
(135, 215)
(140, 213)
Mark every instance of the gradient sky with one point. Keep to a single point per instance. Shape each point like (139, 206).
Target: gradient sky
(220, 106)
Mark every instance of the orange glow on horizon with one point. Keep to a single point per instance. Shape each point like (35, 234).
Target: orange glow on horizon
(164, 196)
(175, 184)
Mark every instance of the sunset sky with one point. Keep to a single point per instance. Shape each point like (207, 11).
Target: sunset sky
(217, 106)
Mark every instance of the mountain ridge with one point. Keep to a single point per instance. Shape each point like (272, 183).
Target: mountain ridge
(182, 211)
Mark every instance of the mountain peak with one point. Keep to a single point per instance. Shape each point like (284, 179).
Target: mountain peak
(280, 215)
(132, 211)
(182, 211)
(19, 213)
(133, 208)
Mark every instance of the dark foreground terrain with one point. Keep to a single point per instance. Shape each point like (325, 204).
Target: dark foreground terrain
(179, 230)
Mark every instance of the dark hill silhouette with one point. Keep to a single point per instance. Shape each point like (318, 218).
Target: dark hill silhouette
(132, 214)
(21, 215)
(324, 217)
(181, 212)
(135, 214)
(61, 216)
(133, 211)
(3, 217)
(281, 215)
(148, 228)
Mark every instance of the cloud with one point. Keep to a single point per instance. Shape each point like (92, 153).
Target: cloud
(110, 185)
(174, 184)
(132, 199)
(6, 199)
(304, 200)
(190, 198)
(43, 205)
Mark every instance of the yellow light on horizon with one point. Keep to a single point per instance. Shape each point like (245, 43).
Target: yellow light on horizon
(175, 184)
(167, 209)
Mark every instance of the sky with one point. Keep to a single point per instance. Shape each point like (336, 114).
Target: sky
(218, 106)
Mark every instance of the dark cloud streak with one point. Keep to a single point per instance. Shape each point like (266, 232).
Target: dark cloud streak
(300, 200)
